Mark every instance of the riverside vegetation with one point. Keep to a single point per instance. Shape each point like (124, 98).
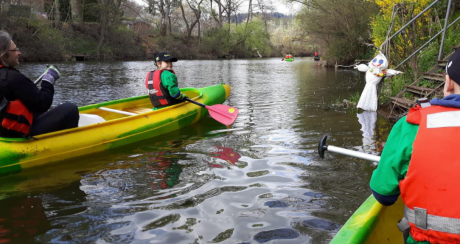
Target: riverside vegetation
(341, 31)
(188, 29)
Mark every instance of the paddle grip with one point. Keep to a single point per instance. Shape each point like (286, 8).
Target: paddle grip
(322, 146)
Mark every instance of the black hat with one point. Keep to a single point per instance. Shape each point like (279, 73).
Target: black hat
(163, 56)
(453, 67)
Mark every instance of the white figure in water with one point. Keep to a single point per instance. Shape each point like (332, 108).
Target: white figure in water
(375, 71)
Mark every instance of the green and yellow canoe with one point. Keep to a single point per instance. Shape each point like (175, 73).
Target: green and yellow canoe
(117, 130)
(372, 223)
(289, 59)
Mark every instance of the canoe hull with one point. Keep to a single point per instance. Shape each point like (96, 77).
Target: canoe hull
(119, 130)
(372, 223)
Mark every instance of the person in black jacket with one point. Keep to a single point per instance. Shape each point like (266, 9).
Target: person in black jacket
(23, 106)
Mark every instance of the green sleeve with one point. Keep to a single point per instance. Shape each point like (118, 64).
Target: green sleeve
(169, 81)
(395, 159)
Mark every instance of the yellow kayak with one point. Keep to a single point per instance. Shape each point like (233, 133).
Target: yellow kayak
(372, 223)
(123, 122)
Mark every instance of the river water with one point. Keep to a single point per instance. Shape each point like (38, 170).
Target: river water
(258, 181)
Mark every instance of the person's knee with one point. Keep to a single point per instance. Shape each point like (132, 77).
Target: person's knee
(71, 109)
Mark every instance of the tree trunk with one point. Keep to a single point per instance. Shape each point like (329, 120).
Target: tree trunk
(169, 25)
(57, 14)
(220, 15)
(168, 14)
(186, 22)
(249, 11)
(219, 18)
(77, 14)
(163, 18)
(229, 12)
(104, 23)
(81, 3)
(163, 26)
(199, 33)
(414, 60)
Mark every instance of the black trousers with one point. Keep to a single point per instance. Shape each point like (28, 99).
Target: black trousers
(63, 116)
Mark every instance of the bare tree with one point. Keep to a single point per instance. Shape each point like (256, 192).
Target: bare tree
(195, 6)
(265, 6)
(218, 17)
(164, 7)
(110, 13)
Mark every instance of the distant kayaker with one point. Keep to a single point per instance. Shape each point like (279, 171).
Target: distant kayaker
(23, 106)
(162, 85)
(421, 163)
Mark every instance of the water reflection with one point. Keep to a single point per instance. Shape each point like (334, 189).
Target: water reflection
(226, 154)
(367, 119)
(165, 171)
(21, 219)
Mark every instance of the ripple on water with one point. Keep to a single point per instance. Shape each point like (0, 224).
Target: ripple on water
(277, 234)
(276, 204)
(321, 224)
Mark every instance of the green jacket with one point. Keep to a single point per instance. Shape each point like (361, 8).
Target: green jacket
(394, 162)
(169, 81)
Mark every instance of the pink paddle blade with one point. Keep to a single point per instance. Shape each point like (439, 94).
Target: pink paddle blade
(223, 113)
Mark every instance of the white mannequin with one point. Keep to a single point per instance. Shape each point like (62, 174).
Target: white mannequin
(375, 71)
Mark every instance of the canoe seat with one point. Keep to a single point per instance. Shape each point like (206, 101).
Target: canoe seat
(138, 110)
(89, 119)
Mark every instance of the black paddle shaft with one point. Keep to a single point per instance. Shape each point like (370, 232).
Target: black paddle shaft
(195, 102)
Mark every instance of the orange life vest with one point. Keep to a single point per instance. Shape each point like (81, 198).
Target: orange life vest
(16, 116)
(431, 188)
(159, 95)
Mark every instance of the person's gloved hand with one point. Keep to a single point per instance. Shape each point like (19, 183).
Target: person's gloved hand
(182, 97)
(52, 74)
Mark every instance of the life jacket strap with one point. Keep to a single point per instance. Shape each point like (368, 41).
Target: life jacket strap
(421, 219)
(3, 73)
(403, 224)
(19, 118)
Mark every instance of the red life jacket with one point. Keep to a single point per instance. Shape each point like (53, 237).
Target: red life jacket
(16, 116)
(431, 188)
(316, 54)
(159, 95)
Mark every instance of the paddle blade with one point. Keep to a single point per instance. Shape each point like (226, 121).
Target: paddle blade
(223, 113)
